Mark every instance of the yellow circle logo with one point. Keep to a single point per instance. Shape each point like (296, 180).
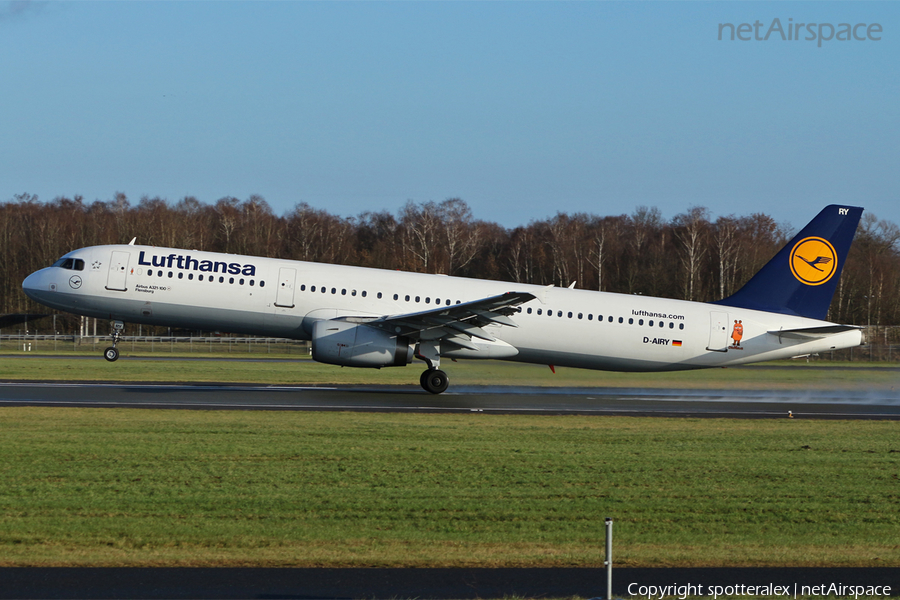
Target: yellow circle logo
(813, 261)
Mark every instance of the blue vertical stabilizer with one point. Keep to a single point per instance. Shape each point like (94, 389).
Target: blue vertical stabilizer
(802, 277)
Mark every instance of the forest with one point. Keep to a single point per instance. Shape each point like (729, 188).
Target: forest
(690, 257)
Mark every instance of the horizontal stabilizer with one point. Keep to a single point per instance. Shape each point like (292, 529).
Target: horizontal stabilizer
(809, 333)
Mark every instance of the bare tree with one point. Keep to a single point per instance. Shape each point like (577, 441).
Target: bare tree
(690, 229)
(459, 232)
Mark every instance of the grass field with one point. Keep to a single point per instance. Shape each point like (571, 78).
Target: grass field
(135, 487)
(294, 370)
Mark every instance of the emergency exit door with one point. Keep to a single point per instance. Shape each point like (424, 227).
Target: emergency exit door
(285, 295)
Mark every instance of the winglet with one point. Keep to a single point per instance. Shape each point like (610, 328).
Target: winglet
(133, 240)
(802, 277)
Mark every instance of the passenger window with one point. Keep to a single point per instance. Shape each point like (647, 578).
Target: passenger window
(231, 280)
(353, 293)
(407, 298)
(590, 317)
(448, 302)
(170, 274)
(681, 326)
(344, 292)
(396, 297)
(150, 273)
(302, 287)
(671, 325)
(661, 324)
(611, 319)
(559, 313)
(334, 290)
(364, 293)
(190, 276)
(570, 314)
(379, 295)
(538, 311)
(240, 282)
(253, 281)
(221, 279)
(312, 288)
(262, 284)
(529, 310)
(650, 324)
(427, 300)
(417, 298)
(180, 275)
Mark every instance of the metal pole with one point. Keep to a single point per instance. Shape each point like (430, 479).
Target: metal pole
(608, 563)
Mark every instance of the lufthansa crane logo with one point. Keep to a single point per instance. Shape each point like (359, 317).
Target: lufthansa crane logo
(813, 261)
(75, 282)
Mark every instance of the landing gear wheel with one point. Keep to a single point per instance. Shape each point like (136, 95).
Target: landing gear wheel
(434, 381)
(111, 354)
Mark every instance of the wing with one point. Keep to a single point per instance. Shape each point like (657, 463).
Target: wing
(457, 323)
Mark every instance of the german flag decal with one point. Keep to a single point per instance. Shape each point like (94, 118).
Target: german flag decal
(676, 342)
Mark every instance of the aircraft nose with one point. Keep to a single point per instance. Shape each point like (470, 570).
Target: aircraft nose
(33, 284)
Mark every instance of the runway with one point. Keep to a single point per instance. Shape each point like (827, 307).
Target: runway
(306, 584)
(831, 404)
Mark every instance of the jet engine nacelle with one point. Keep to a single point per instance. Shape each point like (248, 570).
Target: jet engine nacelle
(338, 342)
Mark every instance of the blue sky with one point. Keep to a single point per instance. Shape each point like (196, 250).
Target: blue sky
(522, 109)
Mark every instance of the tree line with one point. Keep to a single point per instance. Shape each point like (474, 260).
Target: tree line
(691, 257)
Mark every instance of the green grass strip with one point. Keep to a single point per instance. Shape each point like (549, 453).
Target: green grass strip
(189, 488)
(307, 372)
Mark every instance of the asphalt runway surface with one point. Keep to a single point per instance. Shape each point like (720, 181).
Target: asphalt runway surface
(149, 583)
(818, 404)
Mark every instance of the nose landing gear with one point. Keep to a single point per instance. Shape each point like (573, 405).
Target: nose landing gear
(112, 354)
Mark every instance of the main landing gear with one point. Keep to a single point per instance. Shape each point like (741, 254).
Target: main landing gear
(112, 354)
(433, 380)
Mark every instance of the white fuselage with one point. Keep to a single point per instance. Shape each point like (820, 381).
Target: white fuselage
(283, 298)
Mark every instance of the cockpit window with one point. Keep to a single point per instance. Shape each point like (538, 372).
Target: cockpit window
(72, 264)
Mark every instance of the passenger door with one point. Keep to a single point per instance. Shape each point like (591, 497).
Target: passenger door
(118, 271)
(718, 332)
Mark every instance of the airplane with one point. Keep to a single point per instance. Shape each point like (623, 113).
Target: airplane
(363, 317)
